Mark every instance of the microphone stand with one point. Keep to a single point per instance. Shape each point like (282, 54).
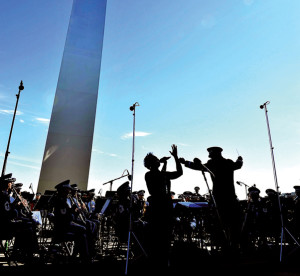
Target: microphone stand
(132, 108)
(21, 87)
(264, 106)
(242, 183)
(111, 181)
(214, 201)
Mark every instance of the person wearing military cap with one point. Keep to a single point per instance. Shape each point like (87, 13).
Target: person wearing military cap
(7, 213)
(295, 220)
(90, 201)
(82, 217)
(197, 189)
(222, 175)
(196, 196)
(268, 191)
(66, 225)
(64, 185)
(297, 188)
(139, 205)
(141, 192)
(253, 192)
(20, 203)
(254, 220)
(34, 202)
(7, 178)
(122, 212)
(25, 244)
(273, 221)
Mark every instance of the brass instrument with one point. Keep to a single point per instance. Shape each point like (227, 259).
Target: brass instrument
(82, 205)
(22, 200)
(80, 215)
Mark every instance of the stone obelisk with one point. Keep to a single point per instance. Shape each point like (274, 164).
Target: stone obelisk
(68, 147)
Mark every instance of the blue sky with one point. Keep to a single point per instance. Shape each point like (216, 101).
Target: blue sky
(198, 69)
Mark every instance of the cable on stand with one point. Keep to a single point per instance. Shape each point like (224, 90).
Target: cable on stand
(283, 228)
(132, 108)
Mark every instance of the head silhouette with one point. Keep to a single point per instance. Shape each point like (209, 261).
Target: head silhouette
(214, 152)
(151, 161)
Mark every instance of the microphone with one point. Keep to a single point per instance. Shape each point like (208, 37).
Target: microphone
(239, 183)
(263, 105)
(128, 175)
(133, 106)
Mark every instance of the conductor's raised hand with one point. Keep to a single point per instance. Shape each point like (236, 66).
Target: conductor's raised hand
(174, 151)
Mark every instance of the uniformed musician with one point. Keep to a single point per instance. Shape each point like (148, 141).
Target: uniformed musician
(296, 213)
(83, 218)
(254, 220)
(66, 226)
(25, 244)
(273, 225)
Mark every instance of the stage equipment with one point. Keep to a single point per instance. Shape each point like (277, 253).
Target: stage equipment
(214, 201)
(283, 228)
(111, 181)
(130, 232)
(242, 183)
(22, 200)
(21, 87)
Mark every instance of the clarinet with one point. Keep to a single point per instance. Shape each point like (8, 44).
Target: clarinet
(23, 201)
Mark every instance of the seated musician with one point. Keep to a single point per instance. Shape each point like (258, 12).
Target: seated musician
(83, 218)
(90, 204)
(90, 201)
(272, 206)
(66, 226)
(254, 219)
(139, 205)
(34, 202)
(20, 203)
(25, 244)
(295, 221)
(123, 212)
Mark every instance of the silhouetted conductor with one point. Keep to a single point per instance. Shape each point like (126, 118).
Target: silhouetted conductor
(222, 175)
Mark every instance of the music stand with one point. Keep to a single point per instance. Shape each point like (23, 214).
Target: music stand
(283, 228)
(132, 108)
(42, 204)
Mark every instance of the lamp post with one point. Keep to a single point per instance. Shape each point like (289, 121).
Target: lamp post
(21, 87)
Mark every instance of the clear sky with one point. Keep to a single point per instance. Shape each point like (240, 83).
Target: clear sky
(198, 69)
